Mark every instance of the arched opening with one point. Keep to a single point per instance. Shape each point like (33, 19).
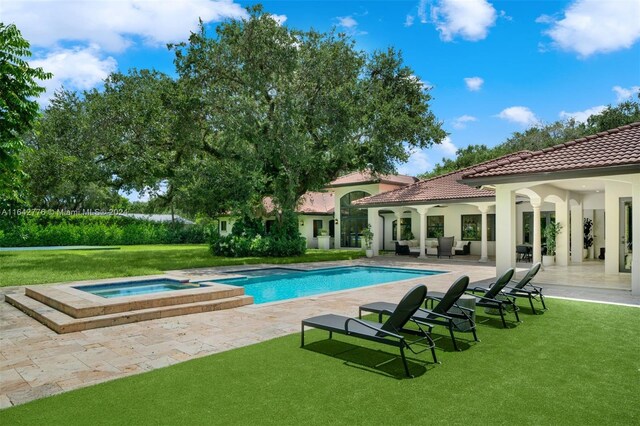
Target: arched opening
(352, 219)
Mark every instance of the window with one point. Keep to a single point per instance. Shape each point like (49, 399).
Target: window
(317, 227)
(405, 229)
(352, 219)
(435, 226)
(472, 227)
(223, 226)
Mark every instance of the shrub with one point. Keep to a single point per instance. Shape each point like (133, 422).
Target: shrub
(248, 238)
(65, 230)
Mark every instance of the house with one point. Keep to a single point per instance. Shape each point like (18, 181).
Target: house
(498, 205)
(317, 210)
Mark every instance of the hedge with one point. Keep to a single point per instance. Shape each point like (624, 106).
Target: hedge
(66, 230)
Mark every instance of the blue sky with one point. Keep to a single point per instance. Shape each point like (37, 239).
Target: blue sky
(494, 67)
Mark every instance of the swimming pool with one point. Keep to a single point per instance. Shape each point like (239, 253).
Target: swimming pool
(135, 288)
(271, 288)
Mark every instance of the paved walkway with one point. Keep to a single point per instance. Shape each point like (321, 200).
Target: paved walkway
(36, 362)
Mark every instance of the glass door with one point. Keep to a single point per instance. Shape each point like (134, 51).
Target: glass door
(626, 232)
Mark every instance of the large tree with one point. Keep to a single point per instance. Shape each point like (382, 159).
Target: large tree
(65, 165)
(301, 107)
(18, 109)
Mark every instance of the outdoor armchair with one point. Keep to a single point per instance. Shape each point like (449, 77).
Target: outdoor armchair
(494, 298)
(402, 249)
(445, 246)
(441, 314)
(387, 333)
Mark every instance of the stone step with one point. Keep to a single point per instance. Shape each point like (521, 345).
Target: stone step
(80, 305)
(62, 323)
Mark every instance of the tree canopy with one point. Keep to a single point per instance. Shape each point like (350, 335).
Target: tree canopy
(302, 107)
(256, 110)
(18, 109)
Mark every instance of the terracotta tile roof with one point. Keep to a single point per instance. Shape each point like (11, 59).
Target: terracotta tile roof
(615, 147)
(367, 177)
(310, 203)
(317, 202)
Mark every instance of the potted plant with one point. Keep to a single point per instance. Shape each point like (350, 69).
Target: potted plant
(406, 237)
(367, 238)
(588, 237)
(550, 232)
(324, 240)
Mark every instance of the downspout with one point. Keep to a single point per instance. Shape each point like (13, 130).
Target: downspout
(383, 233)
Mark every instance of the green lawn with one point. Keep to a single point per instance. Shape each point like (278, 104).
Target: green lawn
(576, 364)
(42, 267)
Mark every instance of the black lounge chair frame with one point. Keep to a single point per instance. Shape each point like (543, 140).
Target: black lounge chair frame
(490, 297)
(439, 315)
(387, 333)
(524, 288)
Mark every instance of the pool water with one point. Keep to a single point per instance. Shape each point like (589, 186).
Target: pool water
(307, 283)
(135, 288)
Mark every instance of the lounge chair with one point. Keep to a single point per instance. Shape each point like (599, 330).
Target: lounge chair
(445, 246)
(441, 314)
(524, 288)
(495, 298)
(387, 333)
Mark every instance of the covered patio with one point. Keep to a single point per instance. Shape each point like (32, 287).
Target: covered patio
(579, 178)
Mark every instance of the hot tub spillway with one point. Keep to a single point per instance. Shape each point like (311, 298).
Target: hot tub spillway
(66, 308)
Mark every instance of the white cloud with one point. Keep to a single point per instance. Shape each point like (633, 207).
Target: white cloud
(75, 69)
(545, 19)
(409, 21)
(622, 94)
(113, 24)
(469, 19)
(474, 83)
(503, 15)
(519, 114)
(582, 116)
(422, 11)
(280, 19)
(596, 26)
(447, 147)
(418, 163)
(347, 22)
(461, 122)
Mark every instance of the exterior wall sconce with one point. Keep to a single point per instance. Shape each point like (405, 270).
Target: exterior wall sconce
(335, 221)
(302, 223)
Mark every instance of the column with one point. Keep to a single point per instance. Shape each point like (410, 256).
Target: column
(612, 193)
(562, 239)
(374, 222)
(398, 214)
(422, 211)
(537, 237)
(505, 230)
(483, 242)
(577, 233)
(635, 225)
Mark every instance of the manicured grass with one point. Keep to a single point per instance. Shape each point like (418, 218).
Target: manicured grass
(42, 267)
(575, 364)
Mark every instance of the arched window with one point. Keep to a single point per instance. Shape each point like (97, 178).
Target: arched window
(352, 219)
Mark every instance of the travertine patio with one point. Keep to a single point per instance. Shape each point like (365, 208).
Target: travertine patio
(36, 362)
